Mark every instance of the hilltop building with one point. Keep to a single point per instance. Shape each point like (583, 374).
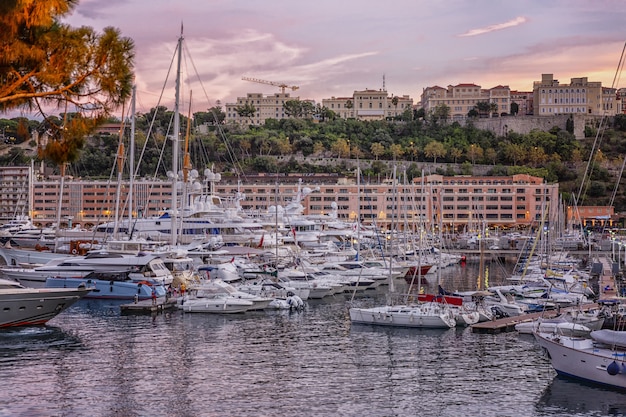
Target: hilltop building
(369, 105)
(524, 101)
(462, 98)
(267, 107)
(580, 96)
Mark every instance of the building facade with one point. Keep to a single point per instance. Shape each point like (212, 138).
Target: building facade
(580, 96)
(267, 107)
(369, 105)
(462, 98)
(455, 202)
(15, 195)
(524, 101)
(507, 201)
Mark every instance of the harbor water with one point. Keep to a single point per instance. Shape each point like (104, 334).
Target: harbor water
(92, 361)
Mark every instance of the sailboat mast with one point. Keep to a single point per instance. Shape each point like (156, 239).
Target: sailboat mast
(358, 211)
(175, 140)
(131, 159)
(120, 169)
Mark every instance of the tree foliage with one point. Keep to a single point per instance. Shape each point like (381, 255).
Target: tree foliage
(45, 61)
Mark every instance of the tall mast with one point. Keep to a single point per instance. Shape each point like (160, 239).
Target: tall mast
(120, 170)
(131, 159)
(175, 144)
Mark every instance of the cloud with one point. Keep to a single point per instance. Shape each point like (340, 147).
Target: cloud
(491, 28)
(97, 9)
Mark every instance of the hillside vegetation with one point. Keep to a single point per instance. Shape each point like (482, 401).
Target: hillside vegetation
(554, 155)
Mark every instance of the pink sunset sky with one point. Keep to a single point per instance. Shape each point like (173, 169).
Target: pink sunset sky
(334, 47)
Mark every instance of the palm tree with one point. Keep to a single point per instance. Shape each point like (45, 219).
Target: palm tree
(394, 101)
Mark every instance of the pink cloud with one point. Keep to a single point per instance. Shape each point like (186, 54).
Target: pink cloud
(491, 28)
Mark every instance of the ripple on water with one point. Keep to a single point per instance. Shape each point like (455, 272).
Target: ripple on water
(93, 361)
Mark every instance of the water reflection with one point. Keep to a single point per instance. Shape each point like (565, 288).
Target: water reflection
(17, 342)
(564, 396)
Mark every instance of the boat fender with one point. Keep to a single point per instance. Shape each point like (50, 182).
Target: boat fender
(613, 368)
(411, 317)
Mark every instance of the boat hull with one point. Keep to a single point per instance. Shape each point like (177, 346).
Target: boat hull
(424, 316)
(580, 359)
(27, 306)
(553, 326)
(114, 290)
(216, 306)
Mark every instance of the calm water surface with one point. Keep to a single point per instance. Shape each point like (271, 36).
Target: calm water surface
(92, 361)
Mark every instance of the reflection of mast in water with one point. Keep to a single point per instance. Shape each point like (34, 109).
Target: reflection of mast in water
(481, 264)
(483, 271)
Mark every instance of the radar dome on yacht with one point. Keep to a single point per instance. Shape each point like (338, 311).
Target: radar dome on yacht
(196, 187)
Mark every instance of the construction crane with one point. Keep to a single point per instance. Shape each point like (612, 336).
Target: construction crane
(282, 86)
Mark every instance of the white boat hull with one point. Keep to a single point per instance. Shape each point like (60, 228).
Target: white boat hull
(552, 326)
(428, 315)
(581, 359)
(218, 305)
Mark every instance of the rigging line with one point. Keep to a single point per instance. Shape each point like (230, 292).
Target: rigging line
(229, 148)
(151, 126)
(599, 136)
(616, 78)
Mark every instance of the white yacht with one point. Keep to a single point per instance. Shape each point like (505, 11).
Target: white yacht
(141, 267)
(21, 306)
(215, 287)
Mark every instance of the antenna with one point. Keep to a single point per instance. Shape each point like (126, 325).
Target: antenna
(384, 89)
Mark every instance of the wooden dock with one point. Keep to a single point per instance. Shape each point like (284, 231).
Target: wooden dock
(507, 324)
(606, 281)
(147, 307)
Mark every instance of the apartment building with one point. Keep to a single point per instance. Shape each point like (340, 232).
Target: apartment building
(462, 98)
(369, 105)
(91, 202)
(452, 202)
(580, 96)
(15, 195)
(524, 101)
(622, 103)
(267, 107)
(506, 201)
